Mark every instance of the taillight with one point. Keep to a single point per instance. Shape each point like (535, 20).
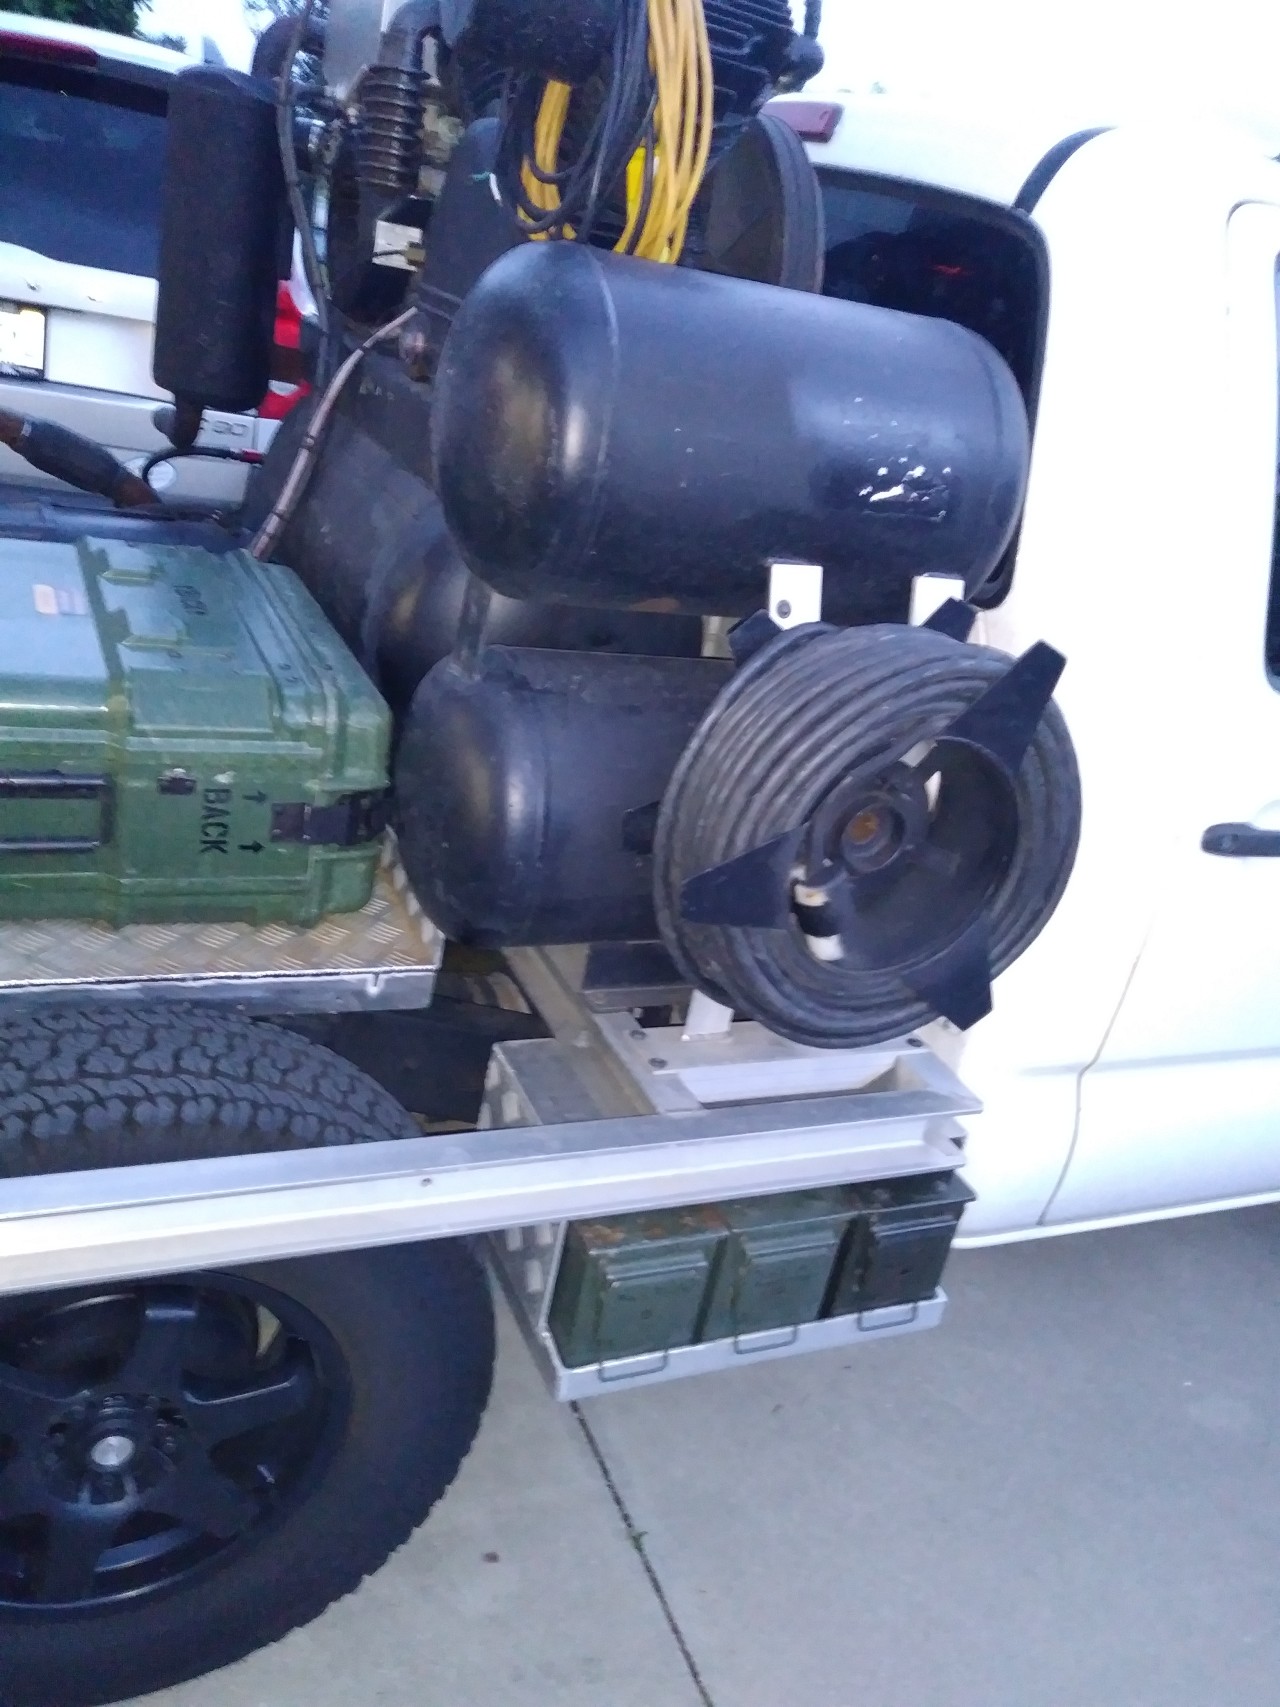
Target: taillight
(288, 319)
(288, 371)
(812, 121)
(13, 45)
(280, 399)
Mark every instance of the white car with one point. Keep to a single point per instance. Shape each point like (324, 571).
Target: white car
(82, 140)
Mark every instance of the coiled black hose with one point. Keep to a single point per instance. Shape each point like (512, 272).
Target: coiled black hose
(811, 707)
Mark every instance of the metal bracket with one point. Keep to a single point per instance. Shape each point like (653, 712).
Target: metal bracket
(795, 593)
(683, 1073)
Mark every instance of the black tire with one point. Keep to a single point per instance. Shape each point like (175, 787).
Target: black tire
(403, 1340)
(105, 1087)
(374, 1379)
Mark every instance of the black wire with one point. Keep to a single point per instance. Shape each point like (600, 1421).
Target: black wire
(622, 123)
(214, 453)
(646, 195)
(627, 112)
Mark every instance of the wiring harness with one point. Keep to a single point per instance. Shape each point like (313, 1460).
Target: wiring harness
(649, 137)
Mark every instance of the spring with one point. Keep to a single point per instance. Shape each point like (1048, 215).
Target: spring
(390, 135)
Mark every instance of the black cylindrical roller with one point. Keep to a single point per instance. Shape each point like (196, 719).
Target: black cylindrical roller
(219, 239)
(611, 431)
(527, 789)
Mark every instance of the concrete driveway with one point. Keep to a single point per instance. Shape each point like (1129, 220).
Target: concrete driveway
(1068, 1496)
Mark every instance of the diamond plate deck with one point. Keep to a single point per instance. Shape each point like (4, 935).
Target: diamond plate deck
(385, 956)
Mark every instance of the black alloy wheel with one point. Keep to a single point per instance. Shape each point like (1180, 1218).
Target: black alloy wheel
(147, 1429)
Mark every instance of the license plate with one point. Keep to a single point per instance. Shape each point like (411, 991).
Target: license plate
(22, 341)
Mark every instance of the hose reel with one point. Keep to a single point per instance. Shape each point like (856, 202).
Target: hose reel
(868, 825)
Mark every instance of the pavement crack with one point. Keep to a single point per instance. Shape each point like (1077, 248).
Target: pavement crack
(637, 1537)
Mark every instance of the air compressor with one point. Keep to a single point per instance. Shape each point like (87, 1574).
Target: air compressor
(579, 396)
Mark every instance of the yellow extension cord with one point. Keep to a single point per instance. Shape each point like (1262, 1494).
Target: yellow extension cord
(680, 59)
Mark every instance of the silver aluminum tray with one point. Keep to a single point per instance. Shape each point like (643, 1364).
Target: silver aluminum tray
(385, 956)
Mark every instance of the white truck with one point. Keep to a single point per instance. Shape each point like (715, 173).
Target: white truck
(229, 1385)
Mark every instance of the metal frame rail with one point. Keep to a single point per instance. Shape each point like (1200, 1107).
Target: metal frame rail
(604, 1116)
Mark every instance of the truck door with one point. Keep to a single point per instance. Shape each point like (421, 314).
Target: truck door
(1182, 1106)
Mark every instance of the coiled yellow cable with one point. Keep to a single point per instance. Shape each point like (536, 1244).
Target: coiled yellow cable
(673, 160)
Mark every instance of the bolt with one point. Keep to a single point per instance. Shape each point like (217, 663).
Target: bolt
(657, 1061)
(112, 1452)
(415, 352)
(783, 607)
(916, 1042)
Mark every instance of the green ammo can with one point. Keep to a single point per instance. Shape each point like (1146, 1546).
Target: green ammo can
(900, 1241)
(182, 737)
(777, 1262)
(634, 1284)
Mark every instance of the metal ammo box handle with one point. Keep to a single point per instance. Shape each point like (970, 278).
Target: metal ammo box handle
(55, 785)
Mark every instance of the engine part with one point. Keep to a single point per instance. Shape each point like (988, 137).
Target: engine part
(564, 40)
(590, 443)
(760, 215)
(390, 136)
(392, 92)
(588, 87)
(527, 786)
(753, 49)
(352, 36)
(366, 292)
(184, 738)
(470, 229)
(221, 223)
(868, 825)
(376, 166)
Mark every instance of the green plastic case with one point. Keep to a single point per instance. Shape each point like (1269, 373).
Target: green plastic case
(182, 737)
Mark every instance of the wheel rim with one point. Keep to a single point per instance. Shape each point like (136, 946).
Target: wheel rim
(148, 1429)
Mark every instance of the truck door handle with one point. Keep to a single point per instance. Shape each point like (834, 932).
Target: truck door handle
(1241, 841)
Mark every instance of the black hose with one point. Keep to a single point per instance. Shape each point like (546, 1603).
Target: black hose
(210, 453)
(812, 18)
(71, 457)
(273, 45)
(794, 723)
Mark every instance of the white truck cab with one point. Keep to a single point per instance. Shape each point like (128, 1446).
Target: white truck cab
(1132, 1065)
